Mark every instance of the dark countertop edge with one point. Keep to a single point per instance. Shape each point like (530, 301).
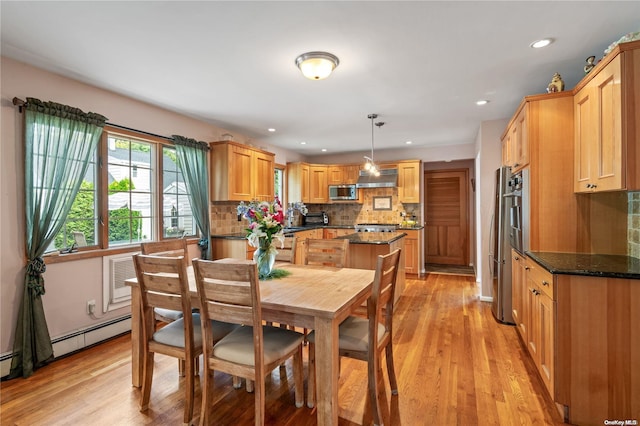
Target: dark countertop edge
(410, 228)
(554, 269)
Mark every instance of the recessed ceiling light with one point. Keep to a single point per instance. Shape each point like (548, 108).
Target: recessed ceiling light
(303, 143)
(324, 149)
(271, 129)
(541, 43)
(408, 142)
(482, 102)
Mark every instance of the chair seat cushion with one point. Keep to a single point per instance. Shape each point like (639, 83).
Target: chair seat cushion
(168, 313)
(354, 334)
(173, 334)
(237, 346)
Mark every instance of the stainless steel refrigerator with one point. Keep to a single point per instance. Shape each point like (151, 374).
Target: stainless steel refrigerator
(500, 248)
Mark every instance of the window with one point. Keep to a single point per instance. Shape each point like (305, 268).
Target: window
(131, 178)
(278, 180)
(143, 197)
(177, 216)
(81, 225)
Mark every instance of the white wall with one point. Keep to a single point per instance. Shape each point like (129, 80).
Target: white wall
(488, 159)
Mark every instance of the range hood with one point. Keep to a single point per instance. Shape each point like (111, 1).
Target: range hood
(388, 179)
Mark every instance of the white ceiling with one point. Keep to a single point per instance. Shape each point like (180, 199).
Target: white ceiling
(420, 65)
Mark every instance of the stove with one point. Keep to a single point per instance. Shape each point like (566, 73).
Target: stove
(376, 227)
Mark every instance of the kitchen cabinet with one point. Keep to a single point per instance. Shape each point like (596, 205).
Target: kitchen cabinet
(548, 129)
(541, 329)
(298, 182)
(607, 115)
(519, 295)
(409, 179)
(240, 173)
(330, 233)
(335, 175)
(318, 184)
(301, 242)
(235, 248)
(515, 141)
(412, 244)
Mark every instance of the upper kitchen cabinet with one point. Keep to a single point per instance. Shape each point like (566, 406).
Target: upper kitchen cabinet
(409, 181)
(318, 184)
(607, 123)
(342, 174)
(298, 182)
(515, 141)
(241, 173)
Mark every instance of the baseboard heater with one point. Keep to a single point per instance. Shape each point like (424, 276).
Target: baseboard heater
(78, 340)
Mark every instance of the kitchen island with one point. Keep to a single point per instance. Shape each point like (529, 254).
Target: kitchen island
(364, 248)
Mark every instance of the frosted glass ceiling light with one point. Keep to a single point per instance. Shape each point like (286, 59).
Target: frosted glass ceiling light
(317, 65)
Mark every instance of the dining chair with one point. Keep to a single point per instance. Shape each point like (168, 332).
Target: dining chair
(354, 340)
(229, 291)
(329, 252)
(164, 284)
(173, 248)
(287, 253)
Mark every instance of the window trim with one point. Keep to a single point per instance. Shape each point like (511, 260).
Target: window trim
(101, 248)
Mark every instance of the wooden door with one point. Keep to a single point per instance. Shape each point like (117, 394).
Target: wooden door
(447, 217)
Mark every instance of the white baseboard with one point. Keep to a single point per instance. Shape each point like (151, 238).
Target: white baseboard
(488, 299)
(75, 341)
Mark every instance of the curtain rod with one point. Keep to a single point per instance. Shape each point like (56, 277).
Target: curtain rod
(21, 104)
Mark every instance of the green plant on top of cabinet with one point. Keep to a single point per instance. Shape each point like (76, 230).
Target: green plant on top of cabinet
(607, 123)
(240, 173)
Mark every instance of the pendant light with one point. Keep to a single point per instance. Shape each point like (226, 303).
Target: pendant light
(370, 164)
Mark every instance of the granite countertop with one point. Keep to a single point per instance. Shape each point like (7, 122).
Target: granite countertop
(373, 237)
(595, 265)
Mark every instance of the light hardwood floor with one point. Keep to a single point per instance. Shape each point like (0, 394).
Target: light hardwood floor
(455, 366)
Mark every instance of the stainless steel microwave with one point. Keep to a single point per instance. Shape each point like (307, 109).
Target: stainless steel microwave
(343, 192)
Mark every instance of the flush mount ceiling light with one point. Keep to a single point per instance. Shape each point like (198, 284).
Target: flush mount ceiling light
(541, 43)
(482, 102)
(370, 165)
(317, 65)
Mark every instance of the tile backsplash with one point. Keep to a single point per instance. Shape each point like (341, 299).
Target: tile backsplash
(224, 219)
(633, 225)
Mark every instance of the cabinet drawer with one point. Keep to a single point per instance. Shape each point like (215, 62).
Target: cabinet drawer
(542, 277)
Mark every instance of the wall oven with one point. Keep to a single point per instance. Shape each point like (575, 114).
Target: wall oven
(519, 211)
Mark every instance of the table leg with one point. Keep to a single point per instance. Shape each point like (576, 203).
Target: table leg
(327, 371)
(136, 337)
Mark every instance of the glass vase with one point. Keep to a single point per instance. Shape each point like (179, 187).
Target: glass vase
(265, 258)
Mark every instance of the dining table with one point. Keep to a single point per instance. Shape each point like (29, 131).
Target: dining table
(313, 297)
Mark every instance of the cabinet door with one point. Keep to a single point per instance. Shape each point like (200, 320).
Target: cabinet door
(350, 173)
(411, 255)
(517, 272)
(318, 186)
(520, 140)
(507, 147)
(241, 176)
(598, 132)
(546, 346)
(335, 175)
(533, 330)
(409, 182)
(264, 176)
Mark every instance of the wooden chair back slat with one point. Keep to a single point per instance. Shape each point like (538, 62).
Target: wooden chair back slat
(331, 252)
(167, 248)
(287, 253)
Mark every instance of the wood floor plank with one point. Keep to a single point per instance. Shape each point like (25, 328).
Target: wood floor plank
(454, 363)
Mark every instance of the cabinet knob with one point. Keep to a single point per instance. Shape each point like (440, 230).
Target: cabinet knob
(526, 268)
(545, 282)
(516, 258)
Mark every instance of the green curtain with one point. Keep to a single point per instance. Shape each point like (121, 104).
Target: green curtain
(192, 160)
(59, 143)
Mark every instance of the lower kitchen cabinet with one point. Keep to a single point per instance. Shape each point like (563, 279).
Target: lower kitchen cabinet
(235, 248)
(519, 296)
(301, 242)
(583, 336)
(412, 244)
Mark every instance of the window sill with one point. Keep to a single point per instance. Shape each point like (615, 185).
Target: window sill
(91, 253)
